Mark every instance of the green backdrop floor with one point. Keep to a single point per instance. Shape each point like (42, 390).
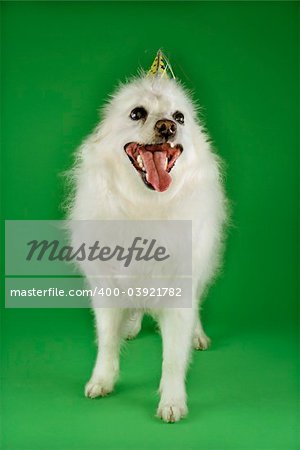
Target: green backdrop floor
(240, 397)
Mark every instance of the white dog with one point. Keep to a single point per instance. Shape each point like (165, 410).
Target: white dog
(126, 170)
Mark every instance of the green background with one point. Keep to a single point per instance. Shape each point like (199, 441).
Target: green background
(60, 60)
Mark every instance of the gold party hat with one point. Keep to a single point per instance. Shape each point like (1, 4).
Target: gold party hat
(160, 68)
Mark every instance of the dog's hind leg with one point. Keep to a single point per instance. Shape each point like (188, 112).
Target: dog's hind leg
(108, 324)
(200, 340)
(177, 330)
(133, 324)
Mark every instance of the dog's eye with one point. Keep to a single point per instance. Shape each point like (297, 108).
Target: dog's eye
(138, 113)
(179, 117)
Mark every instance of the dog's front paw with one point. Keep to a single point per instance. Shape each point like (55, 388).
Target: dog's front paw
(97, 388)
(172, 412)
(201, 342)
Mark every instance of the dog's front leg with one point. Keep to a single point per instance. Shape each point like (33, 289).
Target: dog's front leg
(177, 329)
(106, 370)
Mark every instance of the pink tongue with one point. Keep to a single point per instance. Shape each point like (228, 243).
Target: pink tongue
(155, 163)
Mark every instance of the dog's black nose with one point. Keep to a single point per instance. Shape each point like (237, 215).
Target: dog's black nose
(165, 128)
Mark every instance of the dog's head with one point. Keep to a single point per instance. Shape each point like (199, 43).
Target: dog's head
(153, 123)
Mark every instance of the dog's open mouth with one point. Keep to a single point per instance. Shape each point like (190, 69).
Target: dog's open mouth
(154, 162)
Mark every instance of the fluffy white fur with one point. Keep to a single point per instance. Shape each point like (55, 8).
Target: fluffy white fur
(108, 187)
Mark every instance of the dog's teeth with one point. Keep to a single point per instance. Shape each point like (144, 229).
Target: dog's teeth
(166, 163)
(172, 144)
(140, 162)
